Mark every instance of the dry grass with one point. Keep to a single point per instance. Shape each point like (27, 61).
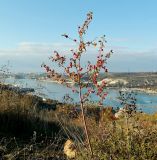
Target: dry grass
(26, 130)
(118, 140)
(29, 132)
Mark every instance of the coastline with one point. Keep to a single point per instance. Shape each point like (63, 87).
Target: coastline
(141, 90)
(53, 81)
(145, 90)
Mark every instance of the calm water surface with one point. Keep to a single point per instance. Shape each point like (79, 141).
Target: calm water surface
(146, 102)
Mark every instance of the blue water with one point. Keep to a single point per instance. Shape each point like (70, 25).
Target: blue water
(146, 102)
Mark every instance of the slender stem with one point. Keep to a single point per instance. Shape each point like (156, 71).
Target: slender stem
(82, 108)
(128, 140)
(85, 123)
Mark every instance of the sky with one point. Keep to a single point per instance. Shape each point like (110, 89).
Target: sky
(31, 29)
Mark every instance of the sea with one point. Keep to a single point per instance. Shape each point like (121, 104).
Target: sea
(145, 102)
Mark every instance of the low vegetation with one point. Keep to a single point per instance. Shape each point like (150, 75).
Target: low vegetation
(29, 132)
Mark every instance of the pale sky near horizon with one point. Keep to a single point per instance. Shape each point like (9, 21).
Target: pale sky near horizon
(30, 30)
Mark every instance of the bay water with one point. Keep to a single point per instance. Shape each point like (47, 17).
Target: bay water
(145, 102)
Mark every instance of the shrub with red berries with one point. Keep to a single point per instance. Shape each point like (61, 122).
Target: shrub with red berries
(74, 70)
